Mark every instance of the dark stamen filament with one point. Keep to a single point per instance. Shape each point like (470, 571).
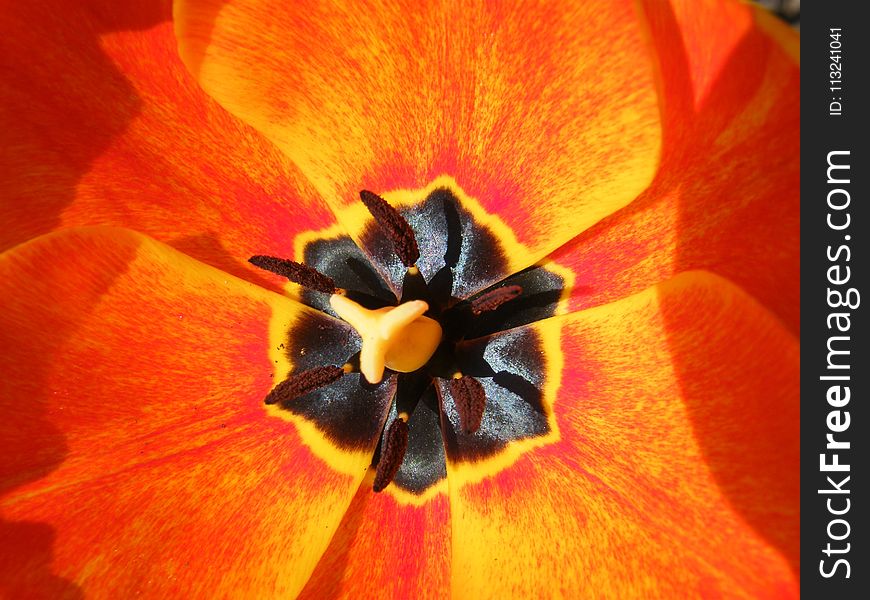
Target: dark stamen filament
(470, 400)
(394, 225)
(296, 272)
(495, 298)
(392, 454)
(299, 384)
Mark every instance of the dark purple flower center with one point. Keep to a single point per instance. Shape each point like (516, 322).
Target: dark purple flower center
(475, 394)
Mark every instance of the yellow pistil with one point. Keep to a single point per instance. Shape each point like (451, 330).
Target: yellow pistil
(398, 337)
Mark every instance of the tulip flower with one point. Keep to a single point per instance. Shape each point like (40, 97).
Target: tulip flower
(540, 333)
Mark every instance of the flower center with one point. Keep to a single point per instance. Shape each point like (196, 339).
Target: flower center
(431, 353)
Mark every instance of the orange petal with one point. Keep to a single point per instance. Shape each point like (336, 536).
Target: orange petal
(547, 115)
(137, 454)
(726, 198)
(385, 548)
(395, 544)
(676, 471)
(100, 123)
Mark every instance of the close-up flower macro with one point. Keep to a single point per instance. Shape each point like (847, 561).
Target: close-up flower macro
(399, 299)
